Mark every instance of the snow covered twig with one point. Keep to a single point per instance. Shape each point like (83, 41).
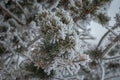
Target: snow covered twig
(109, 46)
(11, 14)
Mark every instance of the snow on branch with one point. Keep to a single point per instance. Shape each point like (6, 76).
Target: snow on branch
(109, 46)
(11, 14)
(112, 58)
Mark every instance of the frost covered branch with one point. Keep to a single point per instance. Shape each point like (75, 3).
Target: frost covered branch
(19, 6)
(112, 58)
(33, 41)
(52, 42)
(106, 50)
(102, 70)
(11, 14)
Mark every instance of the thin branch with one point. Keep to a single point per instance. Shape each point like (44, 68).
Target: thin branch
(103, 72)
(11, 14)
(11, 59)
(17, 61)
(105, 36)
(101, 64)
(21, 43)
(33, 41)
(87, 38)
(54, 5)
(113, 58)
(111, 30)
(109, 46)
(19, 6)
(83, 28)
